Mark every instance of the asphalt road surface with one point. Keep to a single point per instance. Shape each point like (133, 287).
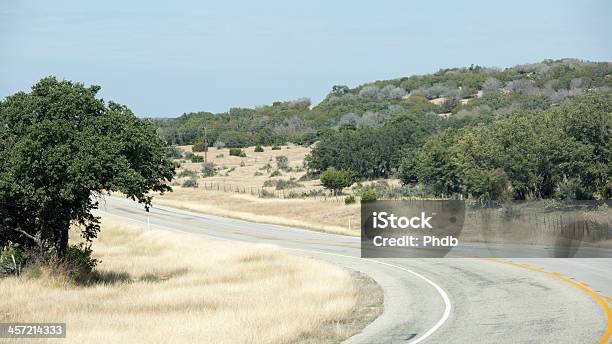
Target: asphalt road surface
(446, 300)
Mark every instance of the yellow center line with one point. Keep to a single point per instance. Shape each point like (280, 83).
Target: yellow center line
(582, 286)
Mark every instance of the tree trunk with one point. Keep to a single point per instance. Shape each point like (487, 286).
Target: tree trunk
(61, 240)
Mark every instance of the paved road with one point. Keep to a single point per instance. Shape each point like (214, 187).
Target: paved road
(449, 300)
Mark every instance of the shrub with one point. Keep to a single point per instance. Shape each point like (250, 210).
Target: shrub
(349, 199)
(282, 184)
(258, 149)
(282, 162)
(174, 153)
(197, 158)
(368, 195)
(187, 173)
(12, 259)
(311, 193)
(188, 155)
(190, 183)
(209, 169)
(266, 194)
(219, 156)
(275, 173)
(276, 148)
(199, 147)
(336, 180)
(219, 145)
(242, 164)
(308, 176)
(257, 173)
(78, 263)
(266, 167)
(237, 152)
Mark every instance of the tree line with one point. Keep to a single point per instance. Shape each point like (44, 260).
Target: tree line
(466, 95)
(561, 151)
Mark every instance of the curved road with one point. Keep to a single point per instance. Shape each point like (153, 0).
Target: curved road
(449, 300)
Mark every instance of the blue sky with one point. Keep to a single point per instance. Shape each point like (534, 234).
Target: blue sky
(165, 58)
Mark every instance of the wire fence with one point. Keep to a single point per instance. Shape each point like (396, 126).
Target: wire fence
(266, 192)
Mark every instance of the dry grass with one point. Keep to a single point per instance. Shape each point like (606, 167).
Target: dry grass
(331, 217)
(246, 168)
(317, 214)
(173, 288)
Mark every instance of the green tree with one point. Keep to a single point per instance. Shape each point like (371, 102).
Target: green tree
(61, 148)
(336, 180)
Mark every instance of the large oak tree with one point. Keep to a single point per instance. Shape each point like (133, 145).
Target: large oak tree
(61, 149)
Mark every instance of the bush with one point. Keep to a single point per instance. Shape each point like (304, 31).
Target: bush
(336, 180)
(188, 155)
(197, 158)
(266, 194)
(282, 162)
(208, 169)
(190, 183)
(237, 152)
(368, 195)
(257, 173)
(349, 199)
(12, 259)
(78, 263)
(219, 156)
(242, 163)
(282, 184)
(187, 173)
(276, 148)
(275, 173)
(266, 167)
(199, 147)
(219, 145)
(258, 149)
(174, 153)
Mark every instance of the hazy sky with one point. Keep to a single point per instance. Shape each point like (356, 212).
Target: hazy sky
(166, 58)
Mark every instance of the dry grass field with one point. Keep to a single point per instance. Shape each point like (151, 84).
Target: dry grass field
(325, 216)
(250, 171)
(162, 288)
(329, 215)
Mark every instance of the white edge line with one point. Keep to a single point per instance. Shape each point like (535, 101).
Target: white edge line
(443, 295)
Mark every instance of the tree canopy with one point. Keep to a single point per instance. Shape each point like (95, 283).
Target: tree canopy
(467, 96)
(524, 155)
(60, 148)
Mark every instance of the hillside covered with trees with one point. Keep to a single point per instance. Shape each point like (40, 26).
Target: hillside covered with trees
(536, 130)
